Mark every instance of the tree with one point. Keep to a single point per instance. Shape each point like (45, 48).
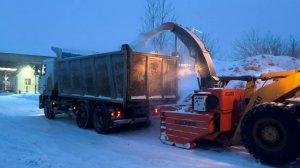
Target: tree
(158, 12)
(293, 47)
(249, 45)
(273, 45)
(210, 44)
(252, 44)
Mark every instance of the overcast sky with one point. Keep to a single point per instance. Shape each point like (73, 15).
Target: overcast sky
(33, 26)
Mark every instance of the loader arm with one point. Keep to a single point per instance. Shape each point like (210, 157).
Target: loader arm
(286, 85)
(275, 75)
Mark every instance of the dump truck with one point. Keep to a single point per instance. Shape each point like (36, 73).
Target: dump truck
(108, 90)
(265, 120)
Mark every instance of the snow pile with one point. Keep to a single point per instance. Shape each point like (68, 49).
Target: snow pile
(256, 65)
(253, 66)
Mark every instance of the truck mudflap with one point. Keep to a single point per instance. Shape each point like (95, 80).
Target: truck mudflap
(183, 128)
(41, 101)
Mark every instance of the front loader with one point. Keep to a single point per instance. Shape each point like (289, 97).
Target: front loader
(266, 120)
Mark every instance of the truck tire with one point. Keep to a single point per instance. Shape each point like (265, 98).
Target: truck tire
(101, 119)
(49, 113)
(83, 118)
(270, 132)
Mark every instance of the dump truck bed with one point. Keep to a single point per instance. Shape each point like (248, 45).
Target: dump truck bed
(123, 76)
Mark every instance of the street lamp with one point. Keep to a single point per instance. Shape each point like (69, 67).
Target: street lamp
(25, 71)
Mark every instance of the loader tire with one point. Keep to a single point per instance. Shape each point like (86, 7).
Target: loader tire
(270, 132)
(83, 118)
(48, 111)
(101, 119)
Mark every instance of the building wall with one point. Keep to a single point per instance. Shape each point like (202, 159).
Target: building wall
(15, 81)
(26, 80)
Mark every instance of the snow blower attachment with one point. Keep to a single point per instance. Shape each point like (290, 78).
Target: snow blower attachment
(265, 120)
(212, 112)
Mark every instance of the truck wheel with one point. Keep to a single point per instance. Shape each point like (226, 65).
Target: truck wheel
(83, 116)
(49, 113)
(270, 132)
(101, 120)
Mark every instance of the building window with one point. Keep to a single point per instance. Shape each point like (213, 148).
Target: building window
(27, 81)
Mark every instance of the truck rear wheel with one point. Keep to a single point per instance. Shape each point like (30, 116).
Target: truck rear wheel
(101, 119)
(270, 132)
(48, 111)
(83, 116)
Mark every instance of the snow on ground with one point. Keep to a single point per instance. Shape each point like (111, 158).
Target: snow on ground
(28, 139)
(296, 99)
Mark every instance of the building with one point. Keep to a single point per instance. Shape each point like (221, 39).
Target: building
(19, 73)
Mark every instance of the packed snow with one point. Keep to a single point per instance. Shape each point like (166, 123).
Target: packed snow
(28, 139)
(297, 99)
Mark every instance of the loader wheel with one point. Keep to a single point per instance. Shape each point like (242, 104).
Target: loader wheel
(270, 132)
(101, 119)
(83, 117)
(49, 113)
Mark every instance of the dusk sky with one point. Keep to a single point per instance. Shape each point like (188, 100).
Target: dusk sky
(33, 26)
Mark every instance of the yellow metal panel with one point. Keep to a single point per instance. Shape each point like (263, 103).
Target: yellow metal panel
(266, 76)
(271, 92)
